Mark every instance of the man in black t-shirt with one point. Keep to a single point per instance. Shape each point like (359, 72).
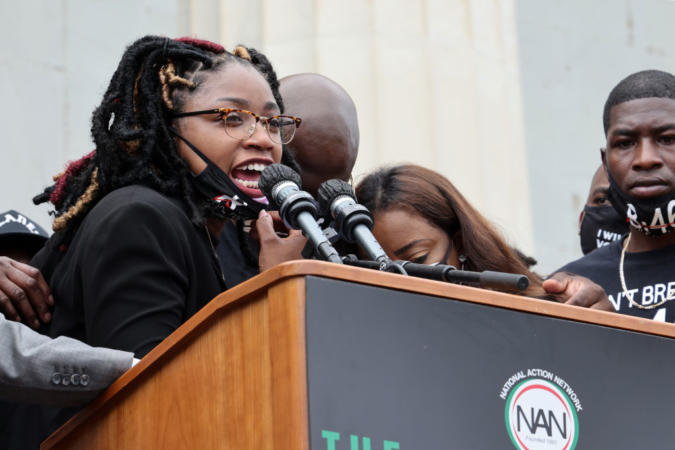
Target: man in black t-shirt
(638, 271)
(649, 278)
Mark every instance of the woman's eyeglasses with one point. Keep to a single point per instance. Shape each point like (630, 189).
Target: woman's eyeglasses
(240, 123)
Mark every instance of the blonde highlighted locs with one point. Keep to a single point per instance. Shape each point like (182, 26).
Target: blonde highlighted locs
(169, 79)
(130, 127)
(87, 197)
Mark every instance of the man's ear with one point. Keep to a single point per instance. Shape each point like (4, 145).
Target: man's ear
(603, 156)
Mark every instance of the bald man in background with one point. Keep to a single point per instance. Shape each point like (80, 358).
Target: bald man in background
(325, 146)
(327, 143)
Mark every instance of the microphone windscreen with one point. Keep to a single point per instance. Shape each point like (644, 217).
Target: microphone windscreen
(329, 191)
(273, 175)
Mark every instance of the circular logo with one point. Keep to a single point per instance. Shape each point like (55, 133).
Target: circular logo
(539, 415)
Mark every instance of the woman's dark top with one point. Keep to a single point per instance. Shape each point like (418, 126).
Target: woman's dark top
(136, 269)
(232, 258)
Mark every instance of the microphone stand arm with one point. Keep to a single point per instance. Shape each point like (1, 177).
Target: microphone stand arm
(442, 272)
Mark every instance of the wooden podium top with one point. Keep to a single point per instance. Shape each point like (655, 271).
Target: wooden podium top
(430, 287)
(242, 293)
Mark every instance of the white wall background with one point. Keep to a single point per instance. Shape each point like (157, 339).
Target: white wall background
(504, 97)
(56, 59)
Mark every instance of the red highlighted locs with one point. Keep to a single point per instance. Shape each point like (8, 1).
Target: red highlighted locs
(73, 169)
(203, 44)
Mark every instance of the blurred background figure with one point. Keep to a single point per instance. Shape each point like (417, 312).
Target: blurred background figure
(20, 237)
(24, 294)
(327, 143)
(599, 223)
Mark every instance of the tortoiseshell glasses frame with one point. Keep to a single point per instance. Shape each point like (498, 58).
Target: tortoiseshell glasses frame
(241, 123)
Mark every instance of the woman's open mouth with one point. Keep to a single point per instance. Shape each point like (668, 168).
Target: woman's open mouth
(246, 177)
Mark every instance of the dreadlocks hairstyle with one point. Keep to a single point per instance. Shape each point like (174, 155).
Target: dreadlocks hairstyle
(645, 84)
(130, 127)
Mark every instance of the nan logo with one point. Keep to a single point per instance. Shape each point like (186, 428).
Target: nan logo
(541, 411)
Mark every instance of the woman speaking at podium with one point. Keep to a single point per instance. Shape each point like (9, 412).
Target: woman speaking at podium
(182, 133)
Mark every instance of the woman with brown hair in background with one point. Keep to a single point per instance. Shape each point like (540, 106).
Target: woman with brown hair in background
(421, 217)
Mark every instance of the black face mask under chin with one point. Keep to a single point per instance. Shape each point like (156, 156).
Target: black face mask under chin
(225, 200)
(600, 226)
(653, 216)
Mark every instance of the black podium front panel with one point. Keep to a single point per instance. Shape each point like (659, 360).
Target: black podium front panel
(393, 370)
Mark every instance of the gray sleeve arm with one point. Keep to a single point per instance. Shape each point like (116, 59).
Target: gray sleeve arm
(63, 371)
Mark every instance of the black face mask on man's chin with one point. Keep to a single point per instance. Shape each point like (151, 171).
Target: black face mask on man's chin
(601, 226)
(653, 217)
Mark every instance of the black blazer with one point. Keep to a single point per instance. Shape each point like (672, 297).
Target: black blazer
(136, 269)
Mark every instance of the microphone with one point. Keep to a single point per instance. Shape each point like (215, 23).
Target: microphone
(442, 272)
(298, 209)
(352, 220)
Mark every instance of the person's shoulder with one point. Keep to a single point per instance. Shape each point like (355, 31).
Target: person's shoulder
(137, 202)
(126, 212)
(657, 256)
(596, 260)
(135, 196)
